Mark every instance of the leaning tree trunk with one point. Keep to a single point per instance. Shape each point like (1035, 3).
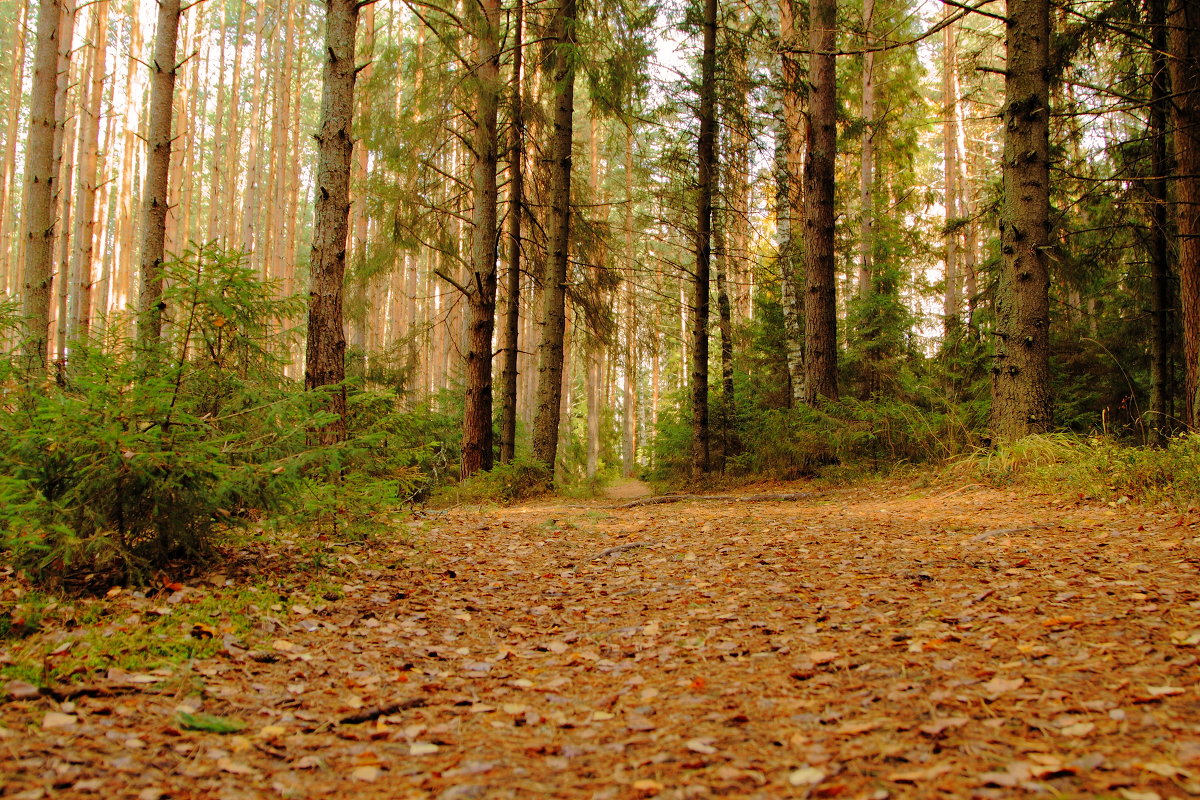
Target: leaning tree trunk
(325, 354)
(158, 167)
(552, 316)
(481, 294)
(39, 223)
(1021, 375)
(820, 312)
(706, 152)
(512, 312)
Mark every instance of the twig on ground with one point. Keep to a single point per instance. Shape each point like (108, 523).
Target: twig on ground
(370, 714)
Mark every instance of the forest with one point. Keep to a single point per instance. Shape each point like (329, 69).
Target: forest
(599, 399)
(263, 255)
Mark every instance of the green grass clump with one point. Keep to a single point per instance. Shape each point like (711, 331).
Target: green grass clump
(1093, 466)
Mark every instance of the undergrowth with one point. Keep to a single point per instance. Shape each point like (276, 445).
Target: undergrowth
(1092, 466)
(136, 455)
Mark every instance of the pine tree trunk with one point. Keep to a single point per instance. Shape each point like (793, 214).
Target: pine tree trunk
(481, 293)
(706, 154)
(121, 268)
(552, 316)
(325, 354)
(1183, 24)
(593, 377)
(950, 134)
(1160, 268)
(40, 180)
(1021, 376)
(820, 312)
(512, 314)
(85, 203)
(9, 251)
(158, 166)
(629, 373)
(866, 177)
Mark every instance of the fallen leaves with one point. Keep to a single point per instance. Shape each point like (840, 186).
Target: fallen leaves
(870, 646)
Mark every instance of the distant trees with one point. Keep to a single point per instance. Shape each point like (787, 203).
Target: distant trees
(866, 271)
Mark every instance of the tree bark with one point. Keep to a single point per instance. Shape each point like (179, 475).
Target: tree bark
(866, 176)
(158, 166)
(85, 202)
(629, 373)
(40, 183)
(950, 301)
(1021, 401)
(706, 156)
(790, 197)
(8, 164)
(516, 203)
(552, 316)
(1183, 24)
(1156, 187)
(481, 294)
(325, 354)
(820, 312)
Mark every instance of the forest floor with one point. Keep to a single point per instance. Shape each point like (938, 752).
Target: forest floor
(873, 641)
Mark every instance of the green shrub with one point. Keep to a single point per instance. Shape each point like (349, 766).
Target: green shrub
(505, 483)
(137, 455)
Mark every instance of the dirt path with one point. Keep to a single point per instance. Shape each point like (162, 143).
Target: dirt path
(866, 643)
(628, 489)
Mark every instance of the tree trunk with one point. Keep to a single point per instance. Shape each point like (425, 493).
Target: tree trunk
(790, 197)
(1021, 402)
(629, 373)
(950, 302)
(481, 294)
(40, 181)
(820, 312)
(158, 165)
(1160, 268)
(325, 354)
(552, 316)
(85, 202)
(512, 312)
(593, 377)
(1183, 24)
(8, 164)
(706, 155)
(866, 176)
